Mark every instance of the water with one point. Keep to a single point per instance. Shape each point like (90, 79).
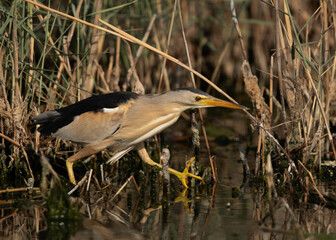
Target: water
(222, 212)
(230, 209)
(212, 215)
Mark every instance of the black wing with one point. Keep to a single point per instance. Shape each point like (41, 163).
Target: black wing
(51, 121)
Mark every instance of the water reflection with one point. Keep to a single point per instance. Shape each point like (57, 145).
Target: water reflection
(193, 214)
(222, 211)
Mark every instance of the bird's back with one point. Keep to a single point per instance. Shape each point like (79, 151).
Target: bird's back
(51, 121)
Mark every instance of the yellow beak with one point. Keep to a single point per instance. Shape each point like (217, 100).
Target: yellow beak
(216, 102)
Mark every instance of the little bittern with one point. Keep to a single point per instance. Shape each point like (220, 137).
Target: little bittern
(121, 121)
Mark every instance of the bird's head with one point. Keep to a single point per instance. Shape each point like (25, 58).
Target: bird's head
(194, 98)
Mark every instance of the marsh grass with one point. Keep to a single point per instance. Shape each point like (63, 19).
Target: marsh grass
(51, 61)
(282, 61)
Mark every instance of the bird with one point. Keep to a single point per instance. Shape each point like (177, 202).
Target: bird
(122, 121)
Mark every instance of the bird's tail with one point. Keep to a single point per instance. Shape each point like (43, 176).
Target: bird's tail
(46, 121)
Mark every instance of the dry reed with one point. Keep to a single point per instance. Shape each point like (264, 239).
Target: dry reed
(53, 56)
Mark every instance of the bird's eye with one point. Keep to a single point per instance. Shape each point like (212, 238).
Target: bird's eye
(197, 98)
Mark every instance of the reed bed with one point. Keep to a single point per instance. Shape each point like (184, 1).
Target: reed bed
(277, 57)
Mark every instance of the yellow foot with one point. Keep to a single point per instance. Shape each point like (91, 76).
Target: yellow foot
(71, 174)
(183, 176)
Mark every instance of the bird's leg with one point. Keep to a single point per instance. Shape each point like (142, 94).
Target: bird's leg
(84, 152)
(69, 166)
(70, 161)
(183, 176)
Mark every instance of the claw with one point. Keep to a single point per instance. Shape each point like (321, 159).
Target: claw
(183, 176)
